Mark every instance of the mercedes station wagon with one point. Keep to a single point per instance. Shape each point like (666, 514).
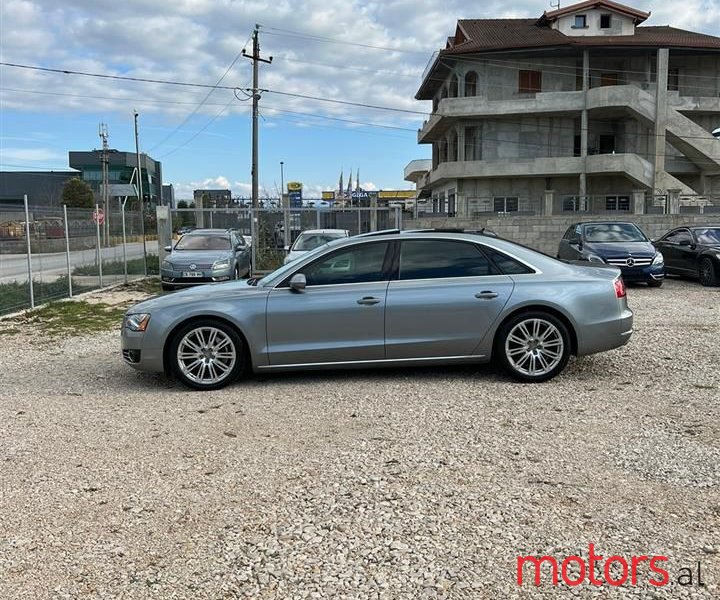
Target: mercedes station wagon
(392, 298)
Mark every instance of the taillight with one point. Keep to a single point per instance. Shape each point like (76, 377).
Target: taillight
(620, 291)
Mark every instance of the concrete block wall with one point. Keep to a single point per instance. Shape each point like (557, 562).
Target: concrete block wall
(544, 233)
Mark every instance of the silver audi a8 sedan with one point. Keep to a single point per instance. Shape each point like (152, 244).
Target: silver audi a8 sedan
(390, 298)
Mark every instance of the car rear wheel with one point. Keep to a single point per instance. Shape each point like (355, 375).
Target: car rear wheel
(706, 271)
(533, 347)
(207, 355)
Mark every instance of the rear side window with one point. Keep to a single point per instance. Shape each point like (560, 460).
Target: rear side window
(507, 264)
(435, 259)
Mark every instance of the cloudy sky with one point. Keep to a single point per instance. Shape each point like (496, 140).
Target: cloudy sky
(366, 52)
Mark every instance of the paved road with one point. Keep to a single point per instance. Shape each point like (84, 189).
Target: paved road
(47, 267)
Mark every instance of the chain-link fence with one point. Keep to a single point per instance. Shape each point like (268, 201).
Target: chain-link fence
(67, 251)
(273, 230)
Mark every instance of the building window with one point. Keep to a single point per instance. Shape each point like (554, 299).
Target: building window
(580, 22)
(607, 144)
(505, 204)
(454, 87)
(609, 79)
(443, 151)
(617, 203)
(453, 148)
(471, 84)
(605, 21)
(473, 143)
(674, 80)
(529, 82)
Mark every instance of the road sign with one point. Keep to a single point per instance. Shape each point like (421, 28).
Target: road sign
(98, 216)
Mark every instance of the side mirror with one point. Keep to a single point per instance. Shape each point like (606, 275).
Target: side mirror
(168, 248)
(298, 282)
(287, 248)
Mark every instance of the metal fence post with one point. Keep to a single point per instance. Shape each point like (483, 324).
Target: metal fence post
(317, 218)
(29, 252)
(359, 213)
(122, 216)
(67, 249)
(99, 248)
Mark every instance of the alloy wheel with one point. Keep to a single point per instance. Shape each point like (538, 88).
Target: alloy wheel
(534, 347)
(206, 355)
(707, 272)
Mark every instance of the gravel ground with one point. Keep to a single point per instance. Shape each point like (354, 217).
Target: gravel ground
(365, 484)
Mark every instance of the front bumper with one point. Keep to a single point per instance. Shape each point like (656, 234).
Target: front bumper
(139, 353)
(176, 277)
(643, 274)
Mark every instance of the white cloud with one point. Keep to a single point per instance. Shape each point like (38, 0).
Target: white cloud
(10, 155)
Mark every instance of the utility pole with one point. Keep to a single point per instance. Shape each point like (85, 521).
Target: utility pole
(140, 191)
(255, 58)
(103, 132)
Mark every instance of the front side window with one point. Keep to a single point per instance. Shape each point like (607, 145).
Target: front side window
(358, 264)
(435, 259)
(679, 235)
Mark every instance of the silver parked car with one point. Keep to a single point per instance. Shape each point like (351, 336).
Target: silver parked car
(395, 298)
(205, 256)
(311, 239)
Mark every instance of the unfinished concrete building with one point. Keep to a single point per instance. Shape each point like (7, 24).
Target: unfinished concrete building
(583, 109)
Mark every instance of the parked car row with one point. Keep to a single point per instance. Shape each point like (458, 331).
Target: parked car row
(687, 251)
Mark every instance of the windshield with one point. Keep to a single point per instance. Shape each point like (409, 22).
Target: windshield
(613, 232)
(285, 269)
(709, 236)
(310, 241)
(203, 242)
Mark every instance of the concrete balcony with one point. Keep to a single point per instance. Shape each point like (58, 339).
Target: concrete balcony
(450, 110)
(416, 169)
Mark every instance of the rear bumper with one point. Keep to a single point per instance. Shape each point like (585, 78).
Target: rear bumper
(606, 335)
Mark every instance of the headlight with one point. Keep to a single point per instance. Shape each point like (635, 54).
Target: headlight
(594, 258)
(138, 322)
(658, 260)
(166, 264)
(221, 264)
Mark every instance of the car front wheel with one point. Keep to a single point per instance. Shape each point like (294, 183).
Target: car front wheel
(706, 270)
(533, 347)
(207, 355)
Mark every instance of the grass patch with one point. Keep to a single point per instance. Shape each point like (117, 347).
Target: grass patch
(10, 331)
(15, 296)
(75, 318)
(116, 267)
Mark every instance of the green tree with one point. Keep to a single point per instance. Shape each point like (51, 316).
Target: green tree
(77, 194)
(182, 204)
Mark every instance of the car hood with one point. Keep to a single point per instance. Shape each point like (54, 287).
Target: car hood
(214, 291)
(612, 249)
(186, 257)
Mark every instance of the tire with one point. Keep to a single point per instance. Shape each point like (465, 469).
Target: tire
(654, 283)
(167, 288)
(706, 272)
(514, 338)
(203, 369)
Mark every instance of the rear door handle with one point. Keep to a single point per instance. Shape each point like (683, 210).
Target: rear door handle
(368, 300)
(486, 295)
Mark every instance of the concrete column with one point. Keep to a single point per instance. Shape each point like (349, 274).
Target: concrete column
(549, 202)
(638, 202)
(373, 213)
(673, 203)
(584, 124)
(461, 143)
(164, 230)
(663, 57)
(199, 214)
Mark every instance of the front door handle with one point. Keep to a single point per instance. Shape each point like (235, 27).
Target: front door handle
(486, 295)
(368, 300)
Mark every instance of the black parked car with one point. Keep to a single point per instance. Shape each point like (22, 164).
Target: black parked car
(621, 245)
(693, 252)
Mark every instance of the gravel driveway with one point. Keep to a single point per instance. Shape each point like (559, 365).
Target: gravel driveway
(401, 484)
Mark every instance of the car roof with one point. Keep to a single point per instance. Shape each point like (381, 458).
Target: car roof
(343, 231)
(209, 231)
(607, 223)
